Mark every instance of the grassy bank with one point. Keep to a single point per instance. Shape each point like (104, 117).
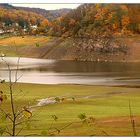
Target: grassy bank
(13, 46)
(108, 105)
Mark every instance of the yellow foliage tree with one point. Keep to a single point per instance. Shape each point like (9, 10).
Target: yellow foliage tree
(45, 23)
(125, 22)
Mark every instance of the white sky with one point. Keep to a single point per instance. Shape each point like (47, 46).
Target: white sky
(48, 6)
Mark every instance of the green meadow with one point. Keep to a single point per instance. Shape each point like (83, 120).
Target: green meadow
(108, 105)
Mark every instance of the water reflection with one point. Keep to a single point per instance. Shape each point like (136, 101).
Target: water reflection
(59, 72)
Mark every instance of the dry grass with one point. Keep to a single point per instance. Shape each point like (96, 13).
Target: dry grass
(118, 126)
(26, 40)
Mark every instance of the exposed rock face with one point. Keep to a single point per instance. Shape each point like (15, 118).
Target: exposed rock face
(100, 49)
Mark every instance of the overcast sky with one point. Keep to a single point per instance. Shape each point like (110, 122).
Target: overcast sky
(48, 6)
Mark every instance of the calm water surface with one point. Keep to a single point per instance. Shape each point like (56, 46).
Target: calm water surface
(44, 71)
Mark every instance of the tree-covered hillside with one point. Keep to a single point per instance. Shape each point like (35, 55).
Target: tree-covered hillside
(14, 20)
(89, 20)
(24, 20)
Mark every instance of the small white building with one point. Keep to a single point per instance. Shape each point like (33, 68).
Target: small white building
(1, 31)
(34, 26)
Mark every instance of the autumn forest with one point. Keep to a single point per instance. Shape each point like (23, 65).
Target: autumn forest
(84, 21)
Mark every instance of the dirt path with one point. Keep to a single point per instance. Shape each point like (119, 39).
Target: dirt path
(40, 52)
(50, 46)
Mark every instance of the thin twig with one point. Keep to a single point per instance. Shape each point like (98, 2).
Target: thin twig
(105, 133)
(18, 113)
(16, 79)
(21, 122)
(8, 133)
(19, 131)
(51, 125)
(132, 120)
(6, 114)
(62, 127)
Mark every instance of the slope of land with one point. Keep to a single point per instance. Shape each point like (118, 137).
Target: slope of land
(68, 49)
(92, 32)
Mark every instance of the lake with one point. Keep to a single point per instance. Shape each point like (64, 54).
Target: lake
(43, 71)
